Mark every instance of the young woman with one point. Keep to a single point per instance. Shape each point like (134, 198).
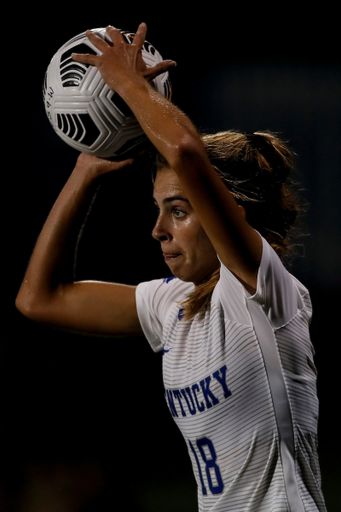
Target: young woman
(232, 323)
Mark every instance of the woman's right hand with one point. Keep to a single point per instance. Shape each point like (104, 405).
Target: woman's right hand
(96, 167)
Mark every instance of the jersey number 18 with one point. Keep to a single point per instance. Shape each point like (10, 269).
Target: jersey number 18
(209, 457)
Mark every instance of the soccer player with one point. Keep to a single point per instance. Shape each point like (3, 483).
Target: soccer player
(232, 323)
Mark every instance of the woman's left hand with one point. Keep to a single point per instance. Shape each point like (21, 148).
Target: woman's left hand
(122, 62)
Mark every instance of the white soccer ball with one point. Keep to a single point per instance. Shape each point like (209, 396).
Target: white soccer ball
(82, 109)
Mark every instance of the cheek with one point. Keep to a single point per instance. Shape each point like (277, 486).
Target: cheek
(185, 231)
(193, 238)
(204, 243)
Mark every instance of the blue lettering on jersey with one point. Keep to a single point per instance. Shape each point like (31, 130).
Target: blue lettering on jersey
(196, 390)
(222, 380)
(168, 279)
(205, 386)
(177, 398)
(177, 394)
(170, 401)
(191, 406)
(165, 351)
(181, 314)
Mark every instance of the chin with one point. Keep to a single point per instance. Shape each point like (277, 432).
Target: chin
(181, 274)
(187, 277)
(182, 277)
(188, 274)
(195, 278)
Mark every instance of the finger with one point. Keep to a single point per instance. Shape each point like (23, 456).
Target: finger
(85, 58)
(114, 34)
(97, 41)
(101, 166)
(140, 35)
(116, 165)
(159, 68)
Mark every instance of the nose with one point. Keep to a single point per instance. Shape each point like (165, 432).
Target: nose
(161, 230)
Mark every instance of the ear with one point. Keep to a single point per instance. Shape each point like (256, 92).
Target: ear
(242, 209)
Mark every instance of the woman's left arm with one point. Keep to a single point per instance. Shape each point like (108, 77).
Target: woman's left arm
(237, 244)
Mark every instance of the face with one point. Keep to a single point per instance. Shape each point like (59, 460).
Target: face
(186, 248)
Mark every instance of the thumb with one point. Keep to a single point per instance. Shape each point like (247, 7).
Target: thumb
(158, 69)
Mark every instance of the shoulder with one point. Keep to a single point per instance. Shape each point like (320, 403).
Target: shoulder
(154, 301)
(279, 293)
(160, 291)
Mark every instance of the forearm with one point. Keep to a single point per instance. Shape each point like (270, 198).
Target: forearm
(168, 128)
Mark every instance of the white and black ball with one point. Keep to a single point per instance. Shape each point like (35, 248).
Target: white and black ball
(82, 109)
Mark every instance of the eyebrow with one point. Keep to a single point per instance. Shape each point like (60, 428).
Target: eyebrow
(173, 198)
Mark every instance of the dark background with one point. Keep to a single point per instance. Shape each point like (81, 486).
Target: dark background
(83, 422)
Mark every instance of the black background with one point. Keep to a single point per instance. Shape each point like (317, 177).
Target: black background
(83, 421)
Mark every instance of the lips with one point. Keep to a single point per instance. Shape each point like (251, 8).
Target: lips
(169, 256)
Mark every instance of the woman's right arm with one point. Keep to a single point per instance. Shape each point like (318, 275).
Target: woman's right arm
(48, 293)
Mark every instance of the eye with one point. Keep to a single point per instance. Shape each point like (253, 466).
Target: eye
(178, 213)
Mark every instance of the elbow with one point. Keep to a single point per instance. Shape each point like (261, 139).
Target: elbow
(186, 153)
(29, 305)
(25, 305)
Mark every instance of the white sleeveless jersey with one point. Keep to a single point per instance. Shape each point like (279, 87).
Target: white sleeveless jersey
(241, 386)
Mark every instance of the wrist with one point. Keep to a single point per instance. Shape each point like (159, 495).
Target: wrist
(131, 89)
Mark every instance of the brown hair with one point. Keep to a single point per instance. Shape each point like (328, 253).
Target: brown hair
(255, 167)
